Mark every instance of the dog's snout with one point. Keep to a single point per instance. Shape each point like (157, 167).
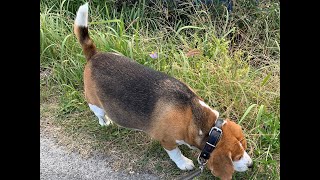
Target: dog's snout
(250, 165)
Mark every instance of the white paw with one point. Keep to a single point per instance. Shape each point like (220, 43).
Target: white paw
(108, 120)
(102, 123)
(108, 123)
(181, 161)
(185, 164)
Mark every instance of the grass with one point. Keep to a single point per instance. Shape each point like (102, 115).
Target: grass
(236, 72)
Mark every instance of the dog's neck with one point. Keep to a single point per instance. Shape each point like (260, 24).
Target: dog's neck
(198, 135)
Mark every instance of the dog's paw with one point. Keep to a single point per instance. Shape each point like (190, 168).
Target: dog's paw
(105, 122)
(185, 164)
(102, 122)
(108, 123)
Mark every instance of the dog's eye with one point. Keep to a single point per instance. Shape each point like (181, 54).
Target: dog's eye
(238, 157)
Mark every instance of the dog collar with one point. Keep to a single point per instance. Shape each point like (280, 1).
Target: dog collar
(214, 137)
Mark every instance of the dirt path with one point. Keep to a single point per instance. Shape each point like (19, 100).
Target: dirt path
(57, 163)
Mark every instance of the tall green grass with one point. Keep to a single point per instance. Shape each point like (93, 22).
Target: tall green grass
(237, 71)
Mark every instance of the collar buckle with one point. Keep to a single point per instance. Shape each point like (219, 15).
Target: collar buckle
(216, 129)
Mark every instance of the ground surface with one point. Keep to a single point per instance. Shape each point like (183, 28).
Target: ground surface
(56, 162)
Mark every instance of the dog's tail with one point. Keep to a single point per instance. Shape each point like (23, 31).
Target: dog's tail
(81, 32)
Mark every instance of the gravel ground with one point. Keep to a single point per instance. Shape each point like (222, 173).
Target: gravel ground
(57, 163)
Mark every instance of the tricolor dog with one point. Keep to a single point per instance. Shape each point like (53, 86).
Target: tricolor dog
(120, 90)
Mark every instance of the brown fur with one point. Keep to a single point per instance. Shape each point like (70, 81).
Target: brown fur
(172, 123)
(82, 34)
(90, 87)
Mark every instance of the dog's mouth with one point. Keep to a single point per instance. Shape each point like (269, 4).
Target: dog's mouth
(243, 164)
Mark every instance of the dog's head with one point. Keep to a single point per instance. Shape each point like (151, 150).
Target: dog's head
(230, 153)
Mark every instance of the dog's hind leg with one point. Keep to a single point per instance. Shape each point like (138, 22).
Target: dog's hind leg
(100, 113)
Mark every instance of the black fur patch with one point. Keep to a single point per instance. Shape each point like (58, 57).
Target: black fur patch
(83, 34)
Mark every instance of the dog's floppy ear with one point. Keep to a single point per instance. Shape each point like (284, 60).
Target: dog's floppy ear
(220, 164)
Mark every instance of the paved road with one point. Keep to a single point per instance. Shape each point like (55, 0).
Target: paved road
(56, 163)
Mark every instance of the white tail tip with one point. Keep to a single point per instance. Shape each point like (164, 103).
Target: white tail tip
(82, 16)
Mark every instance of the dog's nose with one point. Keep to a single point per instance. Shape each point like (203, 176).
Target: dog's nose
(250, 165)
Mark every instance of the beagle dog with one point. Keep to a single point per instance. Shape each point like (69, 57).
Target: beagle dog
(120, 90)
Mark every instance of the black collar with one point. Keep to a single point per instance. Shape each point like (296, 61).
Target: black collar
(214, 137)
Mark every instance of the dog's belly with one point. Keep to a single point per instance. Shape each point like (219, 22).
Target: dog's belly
(126, 118)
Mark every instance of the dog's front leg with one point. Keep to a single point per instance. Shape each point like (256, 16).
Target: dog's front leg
(176, 156)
